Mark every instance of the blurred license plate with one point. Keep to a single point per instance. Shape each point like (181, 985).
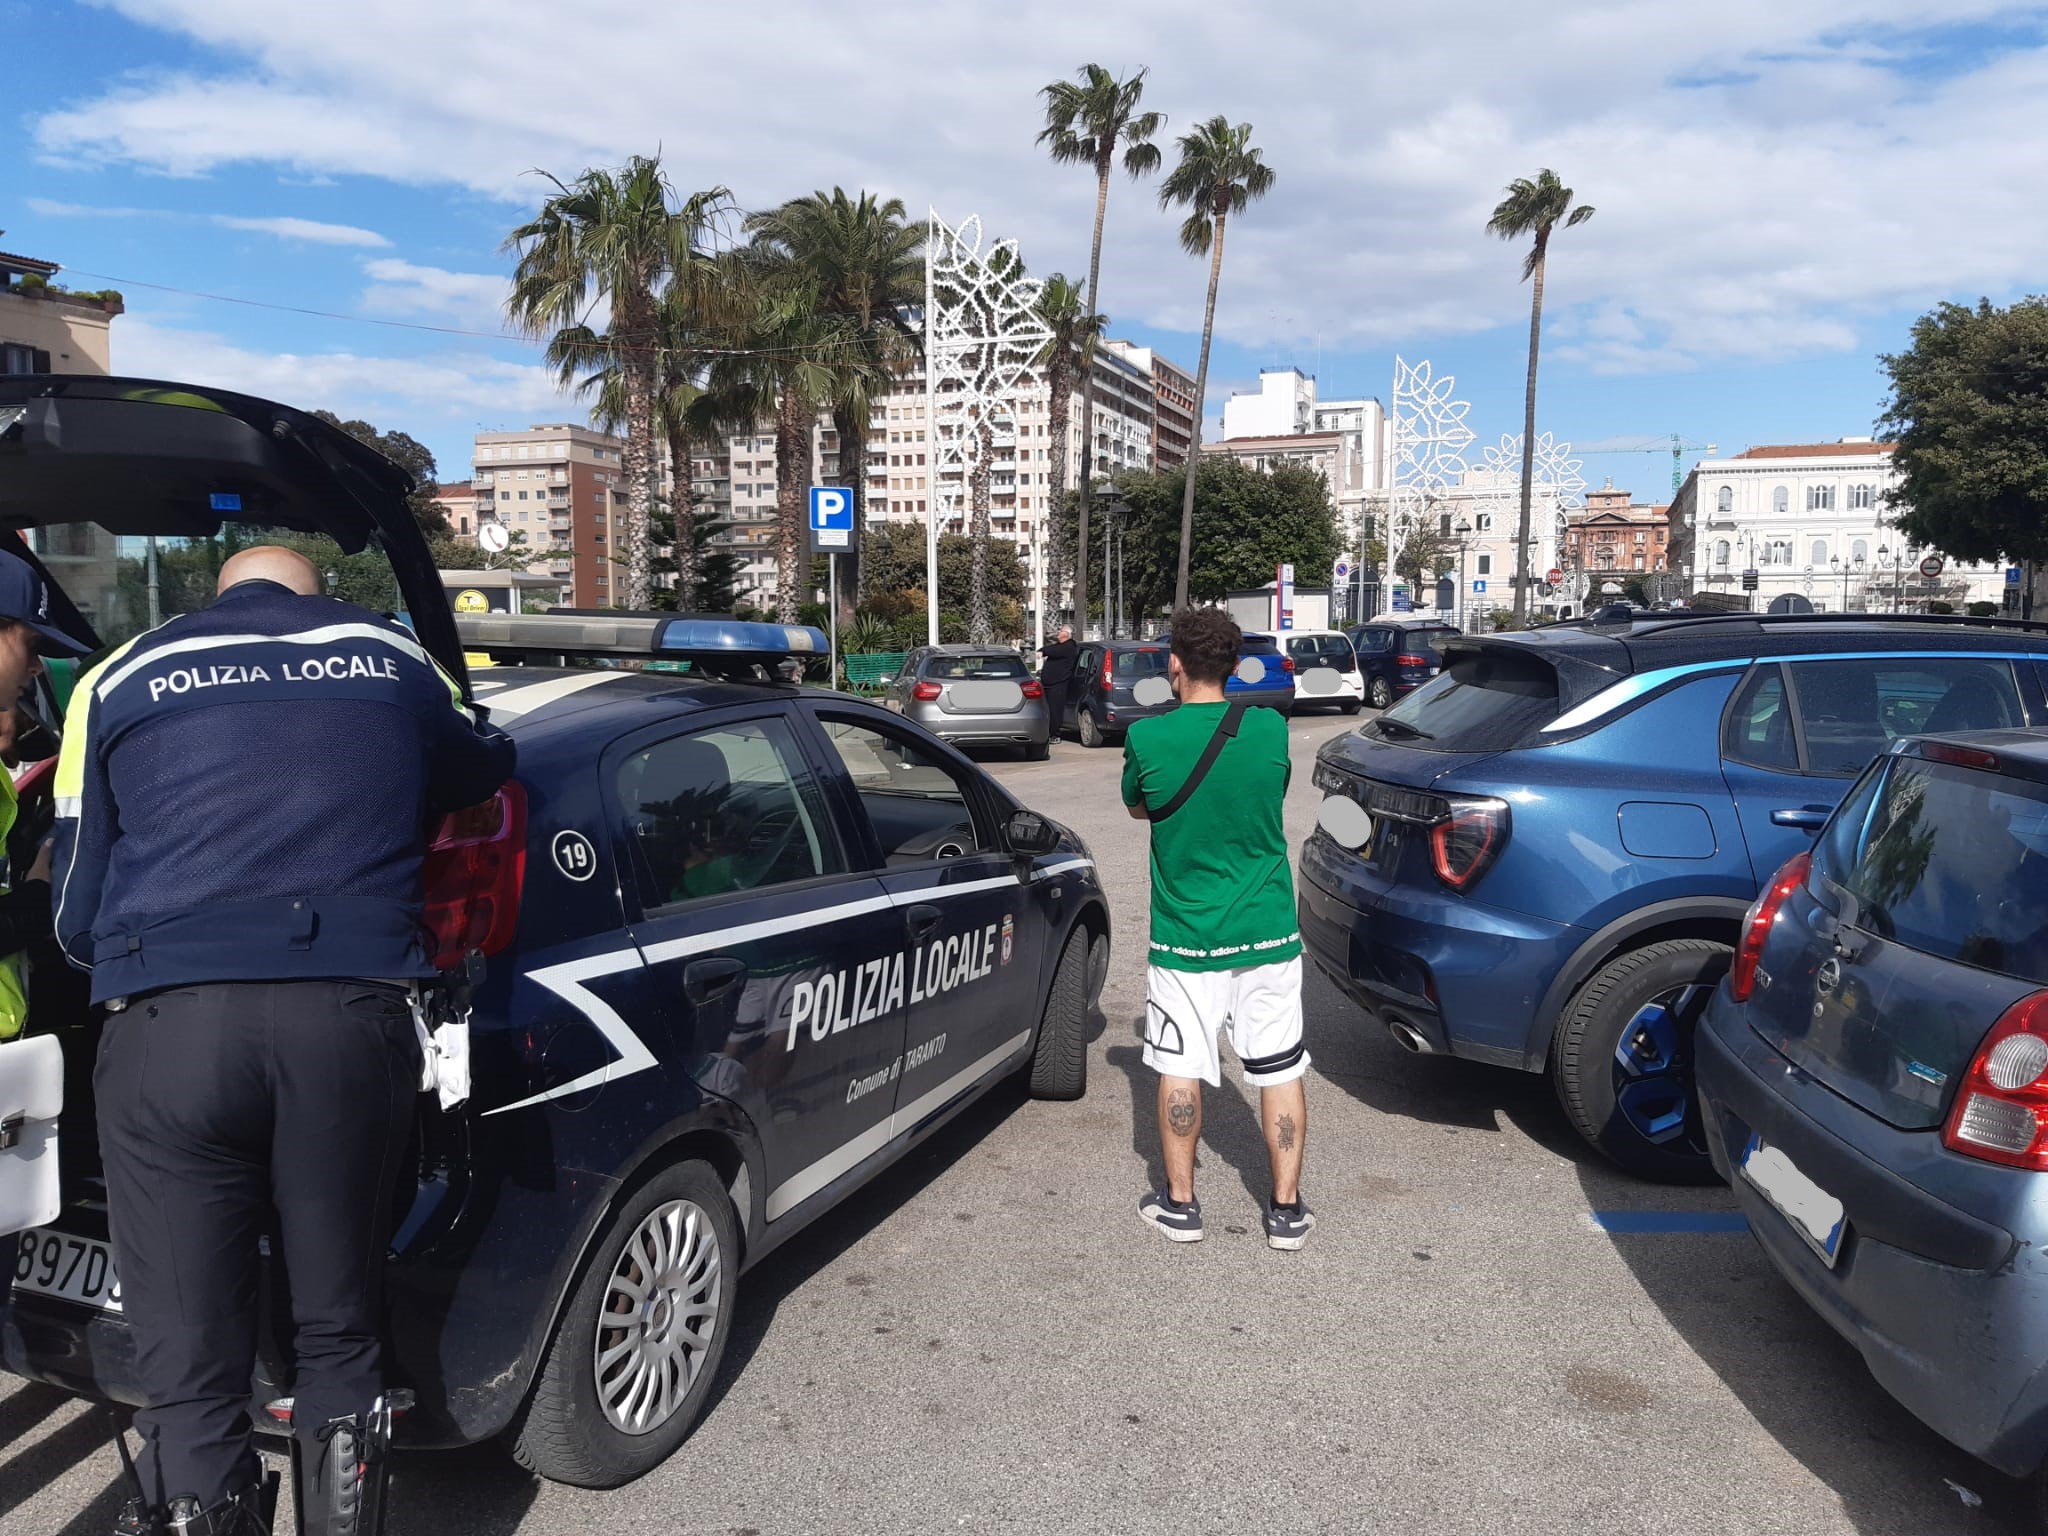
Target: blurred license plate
(77, 1269)
(1815, 1214)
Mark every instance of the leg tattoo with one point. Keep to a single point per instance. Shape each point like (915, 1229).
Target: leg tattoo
(1180, 1112)
(1285, 1126)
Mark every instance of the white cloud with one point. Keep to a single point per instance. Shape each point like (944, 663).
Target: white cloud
(1766, 174)
(285, 228)
(303, 229)
(475, 299)
(441, 398)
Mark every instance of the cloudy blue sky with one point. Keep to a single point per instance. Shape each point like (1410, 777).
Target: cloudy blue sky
(1782, 185)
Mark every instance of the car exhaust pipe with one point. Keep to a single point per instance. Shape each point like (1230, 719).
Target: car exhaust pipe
(1409, 1037)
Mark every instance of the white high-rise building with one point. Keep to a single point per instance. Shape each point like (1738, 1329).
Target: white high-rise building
(1286, 405)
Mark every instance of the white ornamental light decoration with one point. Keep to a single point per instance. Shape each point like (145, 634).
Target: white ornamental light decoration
(983, 338)
(1555, 479)
(1427, 436)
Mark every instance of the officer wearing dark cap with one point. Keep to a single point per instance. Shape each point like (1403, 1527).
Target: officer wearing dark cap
(244, 801)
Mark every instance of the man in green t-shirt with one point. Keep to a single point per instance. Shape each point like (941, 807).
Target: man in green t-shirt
(1226, 951)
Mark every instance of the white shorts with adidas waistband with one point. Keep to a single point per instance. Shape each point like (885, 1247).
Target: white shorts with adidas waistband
(1260, 1005)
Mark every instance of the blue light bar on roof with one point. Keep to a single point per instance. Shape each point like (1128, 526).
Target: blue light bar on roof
(730, 637)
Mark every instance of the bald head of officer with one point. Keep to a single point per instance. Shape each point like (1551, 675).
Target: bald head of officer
(271, 562)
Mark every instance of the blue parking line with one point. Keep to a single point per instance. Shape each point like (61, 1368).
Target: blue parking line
(1651, 1223)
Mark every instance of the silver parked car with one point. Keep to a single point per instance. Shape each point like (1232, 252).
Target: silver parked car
(973, 693)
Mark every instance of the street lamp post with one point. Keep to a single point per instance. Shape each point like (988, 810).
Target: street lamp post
(1463, 529)
(1837, 563)
(1884, 566)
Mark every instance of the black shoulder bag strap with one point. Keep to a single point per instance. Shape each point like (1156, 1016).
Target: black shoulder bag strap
(1225, 729)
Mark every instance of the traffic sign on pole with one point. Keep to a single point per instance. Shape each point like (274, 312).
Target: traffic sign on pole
(1931, 567)
(1479, 585)
(831, 518)
(1554, 576)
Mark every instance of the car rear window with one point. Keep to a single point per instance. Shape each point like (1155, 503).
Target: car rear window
(1334, 649)
(1948, 860)
(1140, 663)
(1485, 700)
(1372, 641)
(1260, 645)
(126, 584)
(954, 668)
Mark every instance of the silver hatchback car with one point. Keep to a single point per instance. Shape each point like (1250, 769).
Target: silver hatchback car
(965, 693)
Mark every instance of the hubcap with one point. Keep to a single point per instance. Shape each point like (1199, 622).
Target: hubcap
(659, 1317)
(1653, 1068)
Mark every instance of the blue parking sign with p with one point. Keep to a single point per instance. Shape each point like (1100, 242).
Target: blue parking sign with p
(831, 517)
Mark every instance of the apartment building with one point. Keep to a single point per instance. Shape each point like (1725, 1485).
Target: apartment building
(1614, 538)
(1173, 402)
(457, 502)
(1809, 519)
(1286, 405)
(562, 486)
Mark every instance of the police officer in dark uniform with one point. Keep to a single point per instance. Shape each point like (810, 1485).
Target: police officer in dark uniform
(1056, 674)
(244, 800)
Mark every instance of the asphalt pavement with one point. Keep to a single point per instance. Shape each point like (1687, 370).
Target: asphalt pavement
(988, 1338)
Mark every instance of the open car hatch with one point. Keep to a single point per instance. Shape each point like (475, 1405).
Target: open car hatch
(142, 457)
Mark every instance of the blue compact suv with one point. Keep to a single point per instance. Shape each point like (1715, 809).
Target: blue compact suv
(1562, 831)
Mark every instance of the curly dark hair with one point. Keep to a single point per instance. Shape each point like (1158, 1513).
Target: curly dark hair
(1207, 641)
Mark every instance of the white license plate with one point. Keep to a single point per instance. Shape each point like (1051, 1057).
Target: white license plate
(78, 1269)
(1815, 1214)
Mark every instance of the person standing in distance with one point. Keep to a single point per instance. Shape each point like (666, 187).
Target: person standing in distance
(1211, 777)
(1056, 676)
(244, 800)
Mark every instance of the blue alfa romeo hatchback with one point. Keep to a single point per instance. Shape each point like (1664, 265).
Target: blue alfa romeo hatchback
(1563, 830)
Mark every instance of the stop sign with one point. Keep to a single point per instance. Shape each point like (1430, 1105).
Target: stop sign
(1554, 576)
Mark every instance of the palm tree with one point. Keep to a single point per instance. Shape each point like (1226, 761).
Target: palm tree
(1532, 208)
(1072, 345)
(1087, 120)
(1220, 172)
(796, 361)
(865, 262)
(615, 236)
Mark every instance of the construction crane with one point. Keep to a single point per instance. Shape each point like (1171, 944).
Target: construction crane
(1675, 443)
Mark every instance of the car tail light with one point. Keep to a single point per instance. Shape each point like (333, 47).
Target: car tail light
(1107, 662)
(1286, 663)
(1756, 924)
(1033, 688)
(1464, 845)
(475, 870)
(2001, 1110)
(1961, 757)
(1405, 660)
(925, 693)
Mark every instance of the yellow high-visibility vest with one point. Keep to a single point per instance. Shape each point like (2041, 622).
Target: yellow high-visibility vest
(13, 968)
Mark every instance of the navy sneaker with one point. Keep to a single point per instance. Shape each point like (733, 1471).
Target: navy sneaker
(1181, 1223)
(1287, 1225)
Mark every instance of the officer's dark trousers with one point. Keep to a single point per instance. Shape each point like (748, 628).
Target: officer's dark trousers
(1055, 706)
(224, 1112)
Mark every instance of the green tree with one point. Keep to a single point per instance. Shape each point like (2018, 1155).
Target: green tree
(1220, 173)
(1070, 351)
(896, 566)
(1968, 416)
(617, 237)
(1426, 549)
(409, 454)
(1251, 523)
(1533, 208)
(1088, 120)
(866, 262)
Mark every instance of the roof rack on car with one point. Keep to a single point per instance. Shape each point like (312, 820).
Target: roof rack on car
(703, 644)
(1774, 620)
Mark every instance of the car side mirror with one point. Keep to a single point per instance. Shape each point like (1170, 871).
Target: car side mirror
(1030, 834)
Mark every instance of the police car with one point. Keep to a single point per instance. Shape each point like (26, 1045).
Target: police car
(733, 946)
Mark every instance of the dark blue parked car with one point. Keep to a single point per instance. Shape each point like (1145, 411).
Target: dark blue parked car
(1567, 825)
(1874, 1074)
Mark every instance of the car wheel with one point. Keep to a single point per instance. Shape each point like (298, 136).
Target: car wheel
(1059, 1057)
(1091, 733)
(1037, 751)
(1622, 1062)
(638, 1345)
(1098, 966)
(1382, 693)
